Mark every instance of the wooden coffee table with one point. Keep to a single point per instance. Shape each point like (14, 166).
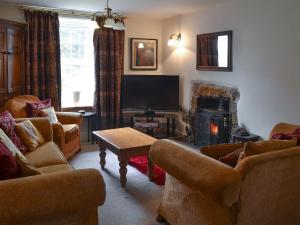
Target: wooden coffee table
(125, 143)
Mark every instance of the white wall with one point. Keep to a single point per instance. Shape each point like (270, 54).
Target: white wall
(266, 54)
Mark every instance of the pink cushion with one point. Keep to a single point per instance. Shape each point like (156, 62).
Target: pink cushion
(33, 109)
(7, 124)
(8, 166)
(231, 158)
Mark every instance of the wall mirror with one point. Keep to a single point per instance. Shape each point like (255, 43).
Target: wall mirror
(214, 51)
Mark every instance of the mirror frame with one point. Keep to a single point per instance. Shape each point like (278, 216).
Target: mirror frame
(229, 55)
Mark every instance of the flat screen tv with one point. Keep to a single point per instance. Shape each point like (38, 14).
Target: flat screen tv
(153, 92)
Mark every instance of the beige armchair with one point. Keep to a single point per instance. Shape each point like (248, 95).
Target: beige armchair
(262, 189)
(66, 133)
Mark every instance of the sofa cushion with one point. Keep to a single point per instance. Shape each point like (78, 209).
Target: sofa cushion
(45, 155)
(12, 148)
(8, 166)
(7, 124)
(55, 168)
(232, 158)
(26, 168)
(71, 131)
(33, 108)
(29, 134)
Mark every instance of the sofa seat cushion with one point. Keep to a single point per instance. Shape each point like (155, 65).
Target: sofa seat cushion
(46, 154)
(71, 131)
(55, 168)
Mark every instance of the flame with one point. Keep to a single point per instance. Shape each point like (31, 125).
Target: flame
(214, 129)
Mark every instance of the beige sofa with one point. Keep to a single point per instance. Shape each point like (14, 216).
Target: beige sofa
(66, 133)
(59, 196)
(262, 189)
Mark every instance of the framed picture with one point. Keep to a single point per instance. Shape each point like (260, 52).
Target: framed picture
(143, 54)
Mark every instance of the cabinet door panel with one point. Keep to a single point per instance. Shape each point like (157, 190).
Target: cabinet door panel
(2, 38)
(14, 60)
(3, 73)
(14, 38)
(14, 73)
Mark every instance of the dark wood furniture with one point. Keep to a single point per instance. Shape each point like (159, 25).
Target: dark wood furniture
(125, 143)
(128, 119)
(211, 51)
(90, 116)
(12, 72)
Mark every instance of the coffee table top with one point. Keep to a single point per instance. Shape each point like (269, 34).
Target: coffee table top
(125, 138)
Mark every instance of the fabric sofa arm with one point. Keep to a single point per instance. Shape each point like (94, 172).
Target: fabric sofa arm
(197, 170)
(58, 135)
(38, 198)
(42, 124)
(69, 118)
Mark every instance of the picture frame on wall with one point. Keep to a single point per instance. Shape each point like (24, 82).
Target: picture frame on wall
(143, 54)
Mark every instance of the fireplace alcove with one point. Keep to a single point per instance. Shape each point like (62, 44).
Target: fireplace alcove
(213, 112)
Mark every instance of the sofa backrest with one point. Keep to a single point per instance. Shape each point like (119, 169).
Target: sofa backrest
(269, 193)
(17, 105)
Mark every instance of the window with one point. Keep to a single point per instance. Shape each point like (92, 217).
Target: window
(77, 62)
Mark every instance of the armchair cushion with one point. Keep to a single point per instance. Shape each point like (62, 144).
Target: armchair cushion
(71, 131)
(33, 108)
(45, 155)
(50, 113)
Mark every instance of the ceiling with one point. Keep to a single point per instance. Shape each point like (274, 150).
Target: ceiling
(159, 9)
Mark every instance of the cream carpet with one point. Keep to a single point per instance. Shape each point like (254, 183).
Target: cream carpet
(135, 205)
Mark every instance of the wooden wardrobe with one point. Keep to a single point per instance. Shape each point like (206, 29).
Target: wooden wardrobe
(12, 69)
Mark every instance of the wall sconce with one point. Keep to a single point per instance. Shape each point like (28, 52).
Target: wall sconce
(174, 39)
(141, 45)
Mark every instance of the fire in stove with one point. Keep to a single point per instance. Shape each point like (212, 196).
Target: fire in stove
(214, 129)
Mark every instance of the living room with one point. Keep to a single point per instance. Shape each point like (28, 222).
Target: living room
(261, 85)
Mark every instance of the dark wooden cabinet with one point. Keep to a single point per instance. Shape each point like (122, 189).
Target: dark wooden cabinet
(12, 72)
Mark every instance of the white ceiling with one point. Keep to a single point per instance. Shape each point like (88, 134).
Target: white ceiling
(159, 9)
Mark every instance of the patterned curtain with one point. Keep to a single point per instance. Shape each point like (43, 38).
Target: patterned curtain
(42, 59)
(109, 68)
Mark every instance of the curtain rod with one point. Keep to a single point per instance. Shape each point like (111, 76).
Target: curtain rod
(63, 12)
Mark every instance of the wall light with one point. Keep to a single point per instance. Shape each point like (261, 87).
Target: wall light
(141, 45)
(174, 39)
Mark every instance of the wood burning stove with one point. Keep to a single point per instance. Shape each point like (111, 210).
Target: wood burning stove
(212, 121)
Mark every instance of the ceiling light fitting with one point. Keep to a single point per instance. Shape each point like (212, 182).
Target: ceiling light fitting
(111, 20)
(174, 39)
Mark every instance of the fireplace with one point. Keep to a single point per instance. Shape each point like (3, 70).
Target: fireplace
(212, 121)
(213, 113)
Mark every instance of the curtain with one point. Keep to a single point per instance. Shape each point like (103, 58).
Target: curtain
(208, 47)
(42, 56)
(109, 68)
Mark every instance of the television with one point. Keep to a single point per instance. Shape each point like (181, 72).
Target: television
(150, 92)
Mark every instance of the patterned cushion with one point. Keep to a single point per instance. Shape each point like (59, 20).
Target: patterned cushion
(50, 113)
(33, 109)
(29, 134)
(8, 166)
(12, 148)
(7, 124)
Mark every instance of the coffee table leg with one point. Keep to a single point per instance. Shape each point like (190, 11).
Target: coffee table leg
(150, 169)
(123, 171)
(102, 157)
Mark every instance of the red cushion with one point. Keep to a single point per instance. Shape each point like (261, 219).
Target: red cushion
(33, 109)
(231, 158)
(7, 124)
(288, 136)
(8, 165)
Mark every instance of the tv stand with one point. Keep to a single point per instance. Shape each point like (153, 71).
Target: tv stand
(129, 118)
